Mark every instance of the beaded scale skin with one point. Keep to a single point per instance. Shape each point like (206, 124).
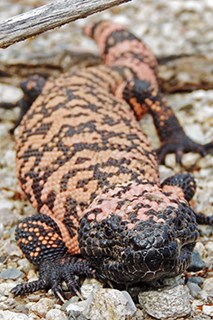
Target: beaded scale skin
(87, 168)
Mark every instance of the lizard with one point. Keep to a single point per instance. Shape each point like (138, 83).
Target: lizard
(88, 169)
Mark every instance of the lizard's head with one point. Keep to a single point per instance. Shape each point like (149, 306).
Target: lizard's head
(139, 232)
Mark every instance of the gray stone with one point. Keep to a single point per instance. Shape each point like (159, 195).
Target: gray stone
(196, 263)
(7, 217)
(194, 289)
(11, 249)
(197, 280)
(11, 273)
(172, 282)
(104, 304)
(167, 303)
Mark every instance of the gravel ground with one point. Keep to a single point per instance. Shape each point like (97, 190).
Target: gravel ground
(175, 27)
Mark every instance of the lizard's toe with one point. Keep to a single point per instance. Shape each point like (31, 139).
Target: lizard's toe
(53, 273)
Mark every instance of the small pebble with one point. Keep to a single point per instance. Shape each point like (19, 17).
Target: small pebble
(190, 159)
(11, 273)
(196, 263)
(75, 310)
(208, 310)
(6, 287)
(199, 247)
(166, 303)
(140, 315)
(197, 280)
(194, 289)
(206, 231)
(11, 249)
(7, 217)
(42, 306)
(194, 132)
(165, 172)
(208, 286)
(209, 247)
(87, 288)
(54, 314)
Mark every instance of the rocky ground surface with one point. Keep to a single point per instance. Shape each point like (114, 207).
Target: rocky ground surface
(175, 27)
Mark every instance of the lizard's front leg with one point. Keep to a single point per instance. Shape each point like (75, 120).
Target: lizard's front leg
(140, 95)
(41, 242)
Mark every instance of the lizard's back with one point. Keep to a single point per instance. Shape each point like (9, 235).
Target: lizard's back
(76, 140)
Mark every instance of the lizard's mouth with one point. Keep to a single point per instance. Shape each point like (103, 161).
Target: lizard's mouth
(149, 251)
(145, 266)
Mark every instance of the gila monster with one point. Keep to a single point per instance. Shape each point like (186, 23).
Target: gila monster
(89, 171)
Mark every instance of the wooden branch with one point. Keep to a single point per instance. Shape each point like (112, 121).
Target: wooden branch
(50, 16)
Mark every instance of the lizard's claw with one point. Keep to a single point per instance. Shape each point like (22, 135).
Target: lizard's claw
(181, 144)
(53, 273)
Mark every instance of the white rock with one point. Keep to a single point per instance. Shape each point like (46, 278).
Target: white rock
(54, 314)
(8, 315)
(165, 172)
(42, 306)
(104, 304)
(6, 204)
(5, 288)
(189, 159)
(209, 247)
(76, 310)
(194, 132)
(10, 93)
(208, 310)
(86, 289)
(167, 303)
(208, 286)
(199, 247)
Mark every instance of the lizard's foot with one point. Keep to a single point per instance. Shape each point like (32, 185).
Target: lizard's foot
(31, 88)
(188, 185)
(40, 239)
(53, 273)
(183, 180)
(180, 144)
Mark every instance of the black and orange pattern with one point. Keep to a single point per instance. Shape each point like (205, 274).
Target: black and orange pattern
(85, 165)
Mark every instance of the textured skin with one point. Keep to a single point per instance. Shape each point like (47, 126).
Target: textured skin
(87, 168)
